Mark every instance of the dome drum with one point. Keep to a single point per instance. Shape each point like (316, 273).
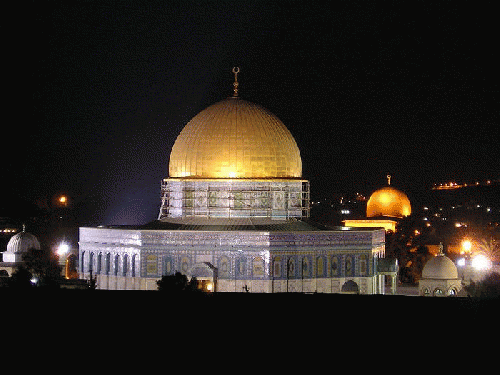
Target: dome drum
(235, 159)
(235, 198)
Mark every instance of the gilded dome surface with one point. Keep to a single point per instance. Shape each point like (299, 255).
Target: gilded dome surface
(440, 267)
(235, 138)
(388, 201)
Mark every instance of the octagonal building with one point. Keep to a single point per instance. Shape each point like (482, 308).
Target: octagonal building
(234, 213)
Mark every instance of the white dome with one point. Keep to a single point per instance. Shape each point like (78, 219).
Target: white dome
(22, 242)
(18, 245)
(440, 267)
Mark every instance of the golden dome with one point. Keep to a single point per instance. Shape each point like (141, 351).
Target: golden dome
(235, 138)
(388, 201)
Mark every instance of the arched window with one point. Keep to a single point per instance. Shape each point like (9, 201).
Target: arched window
(107, 265)
(71, 271)
(125, 264)
(320, 266)
(117, 263)
(82, 262)
(132, 266)
(91, 262)
(438, 292)
(99, 262)
(350, 286)
(277, 267)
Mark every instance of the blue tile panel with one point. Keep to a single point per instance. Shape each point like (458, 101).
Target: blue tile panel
(238, 255)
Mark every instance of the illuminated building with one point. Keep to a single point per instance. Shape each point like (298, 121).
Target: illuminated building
(384, 207)
(234, 214)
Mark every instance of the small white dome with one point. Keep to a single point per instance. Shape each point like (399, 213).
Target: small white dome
(440, 267)
(22, 242)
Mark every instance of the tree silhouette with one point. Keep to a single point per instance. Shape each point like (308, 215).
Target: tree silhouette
(177, 283)
(41, 265)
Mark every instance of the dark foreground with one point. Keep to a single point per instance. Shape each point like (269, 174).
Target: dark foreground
(234, 326)
(391, 308)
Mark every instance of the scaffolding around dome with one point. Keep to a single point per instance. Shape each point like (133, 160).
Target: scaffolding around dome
(234, 198)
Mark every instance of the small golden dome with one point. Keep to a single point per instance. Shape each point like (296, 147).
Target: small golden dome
(388, 201)
(235, 138)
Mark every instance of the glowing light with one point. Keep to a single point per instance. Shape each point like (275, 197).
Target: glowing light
(210, 287)
(481, 262)
(461, 262)
(232, 174)
(62, 249)
(466, 245)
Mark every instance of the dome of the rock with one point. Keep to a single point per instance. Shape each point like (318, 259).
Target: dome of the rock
(235, 138)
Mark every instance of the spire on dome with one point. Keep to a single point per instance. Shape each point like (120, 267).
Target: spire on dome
(441, 252)
(236, 70)
(389, 179)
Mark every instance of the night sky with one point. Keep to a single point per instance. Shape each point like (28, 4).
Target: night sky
(366, 88)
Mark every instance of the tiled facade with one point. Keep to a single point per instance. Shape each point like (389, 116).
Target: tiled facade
(257, 261)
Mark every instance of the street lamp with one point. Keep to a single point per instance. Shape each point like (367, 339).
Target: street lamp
(480, 262)
(466, 246)
(62, 249)
(63, 200)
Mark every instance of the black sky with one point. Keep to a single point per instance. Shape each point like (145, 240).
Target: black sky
(366, 88)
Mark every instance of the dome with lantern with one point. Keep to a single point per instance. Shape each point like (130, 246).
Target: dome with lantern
(440, 267)
(19, 244)
(440, 277)
(235, 159)
(388, 201)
